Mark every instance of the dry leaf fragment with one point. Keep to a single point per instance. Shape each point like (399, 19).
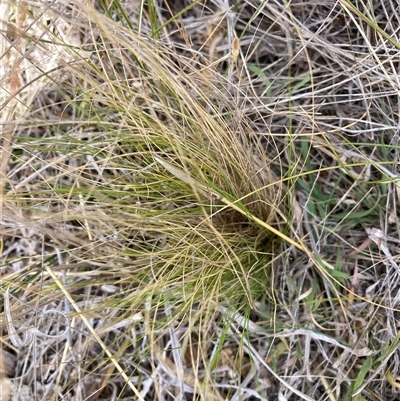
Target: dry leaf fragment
(235, 49)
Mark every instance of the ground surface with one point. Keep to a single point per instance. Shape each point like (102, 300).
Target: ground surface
(199, 201)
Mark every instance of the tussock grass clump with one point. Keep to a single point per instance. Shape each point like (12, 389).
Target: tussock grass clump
(142, 188)
(198, 202)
